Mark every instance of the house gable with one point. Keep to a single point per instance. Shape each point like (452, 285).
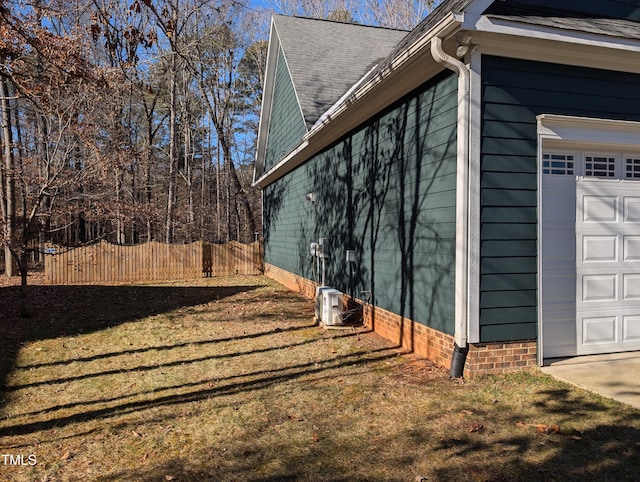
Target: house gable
(286, 124)
(323, 60)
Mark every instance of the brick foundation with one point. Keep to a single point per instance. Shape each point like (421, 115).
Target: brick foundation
(483, 358)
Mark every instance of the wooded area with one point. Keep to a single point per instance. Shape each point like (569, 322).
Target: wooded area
(135, 121)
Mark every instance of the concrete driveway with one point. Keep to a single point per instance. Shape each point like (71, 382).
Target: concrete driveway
(614, 376)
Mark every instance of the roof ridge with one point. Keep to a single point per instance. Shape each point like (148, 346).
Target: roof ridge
(339, 22)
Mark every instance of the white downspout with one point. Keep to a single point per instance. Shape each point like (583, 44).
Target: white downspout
(462, 194)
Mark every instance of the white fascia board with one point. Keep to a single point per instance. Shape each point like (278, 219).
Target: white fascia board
(586, 131)
(483, 23)
(541, 50)
(267, 101)
(286, 165)
(332, 127)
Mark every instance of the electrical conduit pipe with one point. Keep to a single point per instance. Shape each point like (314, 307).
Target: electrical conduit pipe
(462, 201)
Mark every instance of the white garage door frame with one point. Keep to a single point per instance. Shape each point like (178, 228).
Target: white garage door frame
(572, 137)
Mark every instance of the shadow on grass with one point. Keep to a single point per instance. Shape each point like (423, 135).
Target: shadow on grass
(257, 381)
(566, 460)
(607, 452)
(603, 452)
(58, 311)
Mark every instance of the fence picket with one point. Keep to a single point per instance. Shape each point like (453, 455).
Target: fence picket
(108, 263)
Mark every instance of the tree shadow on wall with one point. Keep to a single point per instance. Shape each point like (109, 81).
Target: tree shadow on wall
(273, 205)
(378, 192)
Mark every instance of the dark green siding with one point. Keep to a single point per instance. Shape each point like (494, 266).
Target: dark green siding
(514, 92)
(286, 124)
(386, 190)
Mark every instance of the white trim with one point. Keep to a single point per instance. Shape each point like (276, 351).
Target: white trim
(564, 53)
(267, 102)
(527, 30)
(539, 341)
(475, 140)
(273, 56)
(599, 133)
(272, 174)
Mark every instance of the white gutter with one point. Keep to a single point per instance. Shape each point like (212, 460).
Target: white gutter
(337, 109)
(309, 146)
(326, 117)
(462, 191)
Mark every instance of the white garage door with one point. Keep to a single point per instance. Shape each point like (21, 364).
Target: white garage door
(607, 264)
(590, 256)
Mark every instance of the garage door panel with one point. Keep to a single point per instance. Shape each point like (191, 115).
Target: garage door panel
(599, 209)
(631, 248)
(598, 248)
(599, 288)
(599, 330)
(631, 328)
(632, 209)
(631, 287)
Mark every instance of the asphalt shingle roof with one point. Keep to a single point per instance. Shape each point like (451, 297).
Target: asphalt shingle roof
(327, 58)
(564, 19)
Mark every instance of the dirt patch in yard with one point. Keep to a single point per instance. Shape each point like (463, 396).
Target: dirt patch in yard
(230, 379)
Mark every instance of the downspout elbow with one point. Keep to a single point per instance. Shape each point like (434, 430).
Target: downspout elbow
(450, 62)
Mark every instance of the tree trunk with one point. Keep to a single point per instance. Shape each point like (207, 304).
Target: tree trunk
(171, 189)
(239, 190)
(9, 198)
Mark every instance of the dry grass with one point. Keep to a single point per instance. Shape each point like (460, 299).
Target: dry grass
(229, 379)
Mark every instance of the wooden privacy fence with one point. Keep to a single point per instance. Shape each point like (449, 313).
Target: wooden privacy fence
(106, 263)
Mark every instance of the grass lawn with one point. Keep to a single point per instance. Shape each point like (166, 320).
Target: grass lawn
(229, 379)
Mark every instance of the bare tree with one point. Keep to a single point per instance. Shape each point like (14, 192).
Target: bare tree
(315, 8)
(400, 14)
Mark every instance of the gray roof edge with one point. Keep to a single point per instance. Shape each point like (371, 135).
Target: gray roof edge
(337, 67)
(351, 24)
